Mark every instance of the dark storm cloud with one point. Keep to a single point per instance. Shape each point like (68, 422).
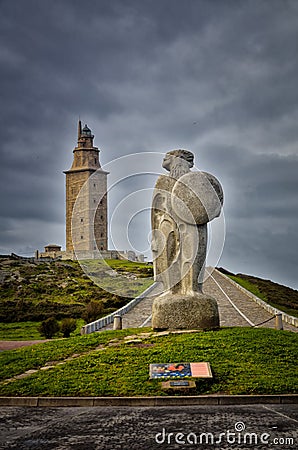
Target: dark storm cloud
(261, 212)
(217, 77)
(258, 185)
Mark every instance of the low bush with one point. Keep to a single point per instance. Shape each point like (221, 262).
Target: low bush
(67, 326)
(48, 328)
(93, 311)
(26, 310)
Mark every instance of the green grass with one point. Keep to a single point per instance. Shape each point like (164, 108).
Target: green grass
(36, 291)
(25, 331)
(276, 295)
(243, 361)
(250, 287)
(31, 293)
(15, 362)
(18, 331)
(130, 280)
(144, 269)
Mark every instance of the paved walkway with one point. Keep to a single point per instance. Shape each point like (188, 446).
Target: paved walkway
(177, 427)
(236, 308)
(140, 315)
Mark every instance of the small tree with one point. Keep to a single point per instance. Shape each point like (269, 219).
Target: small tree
(93, 311)
(67, 326)
(49, 327)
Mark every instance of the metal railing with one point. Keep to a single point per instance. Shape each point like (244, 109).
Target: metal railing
(107, 320)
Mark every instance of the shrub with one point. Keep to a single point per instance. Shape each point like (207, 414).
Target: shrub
(49, 327)
(93, 311)
(67, 326)
(25, 310)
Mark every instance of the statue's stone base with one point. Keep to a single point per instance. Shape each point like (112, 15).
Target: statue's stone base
(185, 312)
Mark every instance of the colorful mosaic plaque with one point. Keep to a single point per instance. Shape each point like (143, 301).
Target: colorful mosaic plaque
(180, 370)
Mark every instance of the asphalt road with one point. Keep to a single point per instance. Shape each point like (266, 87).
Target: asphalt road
(200, 427)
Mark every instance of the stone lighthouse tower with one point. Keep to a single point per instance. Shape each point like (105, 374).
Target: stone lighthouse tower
(86, 198)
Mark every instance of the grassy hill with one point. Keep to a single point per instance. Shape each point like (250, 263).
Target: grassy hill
(34, 291)
(116, 363)
(277, 295)
(31, 292)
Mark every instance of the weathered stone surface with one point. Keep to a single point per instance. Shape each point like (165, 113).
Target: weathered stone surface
(183, 203)
(195, 311)
(197, 198)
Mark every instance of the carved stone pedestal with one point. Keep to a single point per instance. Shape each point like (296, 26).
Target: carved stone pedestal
(185, 312)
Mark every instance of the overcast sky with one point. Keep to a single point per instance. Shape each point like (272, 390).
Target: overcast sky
(219, 78)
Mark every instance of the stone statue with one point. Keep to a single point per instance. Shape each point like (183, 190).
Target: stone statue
(183, 203)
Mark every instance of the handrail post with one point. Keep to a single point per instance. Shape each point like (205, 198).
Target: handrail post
(278, 322)
(117, 325)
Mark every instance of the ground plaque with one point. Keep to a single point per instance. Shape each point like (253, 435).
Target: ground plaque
(178, 384)
(180, 370)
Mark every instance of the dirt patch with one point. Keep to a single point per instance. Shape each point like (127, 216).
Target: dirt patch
(12, 345)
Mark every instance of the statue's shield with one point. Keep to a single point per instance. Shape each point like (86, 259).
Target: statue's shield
(197, 198)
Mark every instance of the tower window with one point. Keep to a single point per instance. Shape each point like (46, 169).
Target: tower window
(82, 220)
(95, 160)
(101, 234)
(94, 185)
(82, 237)
(101, 217)
(94, 200)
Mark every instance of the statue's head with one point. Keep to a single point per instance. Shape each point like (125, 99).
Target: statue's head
(178, 161)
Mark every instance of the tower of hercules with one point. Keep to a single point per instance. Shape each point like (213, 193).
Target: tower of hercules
(86, 209)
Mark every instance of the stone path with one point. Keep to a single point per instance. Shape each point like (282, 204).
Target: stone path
(235, 307)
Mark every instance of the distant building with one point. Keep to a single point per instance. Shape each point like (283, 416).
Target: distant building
(51, 251)
(51, 248)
